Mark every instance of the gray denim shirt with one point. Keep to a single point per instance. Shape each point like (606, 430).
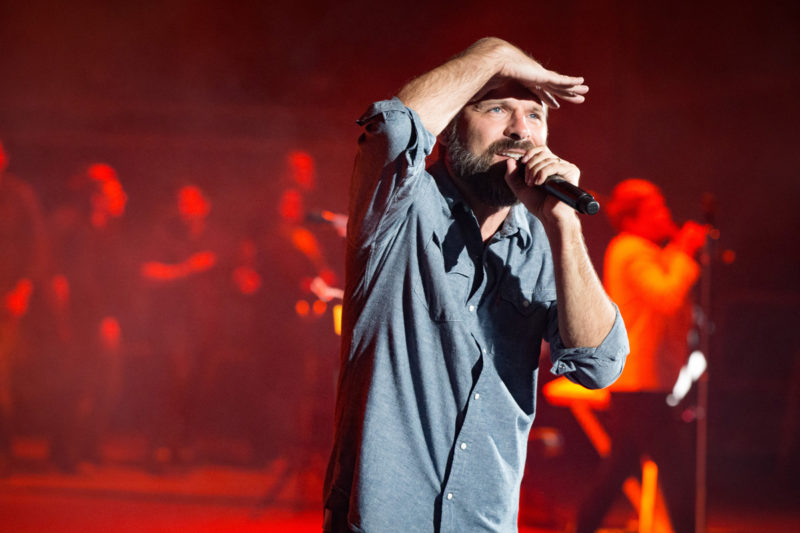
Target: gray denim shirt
(440, 345)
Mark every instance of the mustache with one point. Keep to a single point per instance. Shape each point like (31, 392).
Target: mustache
(504, 145)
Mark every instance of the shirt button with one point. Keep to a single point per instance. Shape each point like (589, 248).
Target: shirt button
(449, 495)
(477, 396)
(525, 303)
(471, 308)
(463, 445)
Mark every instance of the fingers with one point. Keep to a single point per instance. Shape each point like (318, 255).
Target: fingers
(577, 99)
(564, 88)
(574, 88)
(555, 79)
(537, 161)
(547, 98)
(575, 94)
(540, 164)
(572, 91)
(543, 170)
(550, 96)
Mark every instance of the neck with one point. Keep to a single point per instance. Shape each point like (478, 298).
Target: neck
(490, 217)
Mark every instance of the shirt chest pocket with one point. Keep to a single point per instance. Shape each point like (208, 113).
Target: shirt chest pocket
(526, 299)
(445, 275)
(522, 311)
(520, 321)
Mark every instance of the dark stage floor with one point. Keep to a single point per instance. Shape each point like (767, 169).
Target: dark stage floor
(121, 496)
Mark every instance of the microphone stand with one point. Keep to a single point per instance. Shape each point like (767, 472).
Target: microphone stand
(704, 342)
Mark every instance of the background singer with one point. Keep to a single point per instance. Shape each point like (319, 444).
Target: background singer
(651, 283)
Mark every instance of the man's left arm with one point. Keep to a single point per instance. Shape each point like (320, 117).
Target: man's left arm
(591, 344)
(588, 321)
(585, 313)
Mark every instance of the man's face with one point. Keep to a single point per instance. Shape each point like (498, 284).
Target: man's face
(501, 125)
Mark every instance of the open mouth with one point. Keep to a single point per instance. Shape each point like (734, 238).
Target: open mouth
(512, 155)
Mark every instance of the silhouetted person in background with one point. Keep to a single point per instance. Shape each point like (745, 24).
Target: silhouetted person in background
(248, 330)
(649, 271)
(89, 290)
(183, 282)
(303, 356)
(312, 338)
(23, 263)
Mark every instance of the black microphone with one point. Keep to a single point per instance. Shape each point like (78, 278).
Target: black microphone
(575, 197)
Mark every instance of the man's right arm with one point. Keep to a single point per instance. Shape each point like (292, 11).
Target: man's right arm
(438, 95)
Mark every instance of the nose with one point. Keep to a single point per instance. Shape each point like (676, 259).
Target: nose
(517, 127)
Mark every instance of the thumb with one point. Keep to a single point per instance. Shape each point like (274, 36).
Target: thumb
(513, 178)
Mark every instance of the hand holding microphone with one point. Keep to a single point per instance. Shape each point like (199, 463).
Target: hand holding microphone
(540, 162)
(691, 237)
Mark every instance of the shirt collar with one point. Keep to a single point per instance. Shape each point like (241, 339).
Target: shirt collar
(446, 186)
(515, 224)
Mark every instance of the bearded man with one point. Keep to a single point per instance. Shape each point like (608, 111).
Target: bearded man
(455, 274)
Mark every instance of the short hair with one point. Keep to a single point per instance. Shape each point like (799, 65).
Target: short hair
(626, 198)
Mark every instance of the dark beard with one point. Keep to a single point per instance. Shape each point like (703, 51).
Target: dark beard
(484, 179)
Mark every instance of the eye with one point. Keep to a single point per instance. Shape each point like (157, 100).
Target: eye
(496, 109)
(534, 116)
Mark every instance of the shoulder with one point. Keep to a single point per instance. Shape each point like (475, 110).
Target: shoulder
(391, 129)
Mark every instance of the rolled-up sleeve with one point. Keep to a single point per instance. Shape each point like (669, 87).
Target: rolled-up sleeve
(392, 150)
(594, 368)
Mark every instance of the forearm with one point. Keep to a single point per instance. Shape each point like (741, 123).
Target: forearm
(585, 313)
(439, 94)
